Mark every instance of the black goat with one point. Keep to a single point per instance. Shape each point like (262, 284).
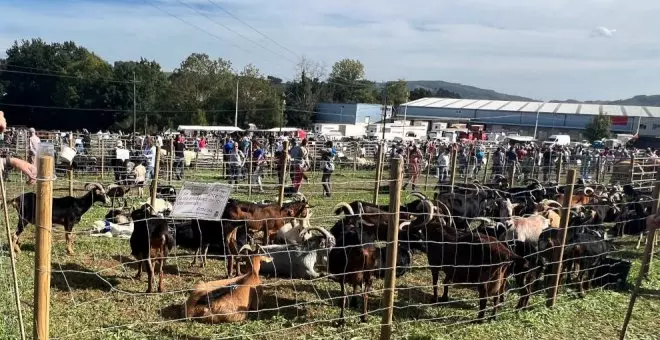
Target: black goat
(166, 192)
(150, 240)
(67, 211)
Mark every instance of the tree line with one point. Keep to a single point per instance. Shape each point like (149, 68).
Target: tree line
(65, 86)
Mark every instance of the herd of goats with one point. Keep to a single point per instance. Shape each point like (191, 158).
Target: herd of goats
(267, 239)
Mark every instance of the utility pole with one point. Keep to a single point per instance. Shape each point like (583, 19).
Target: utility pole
(236, 112)
(282, 116)
(384, 112)
(134, 109)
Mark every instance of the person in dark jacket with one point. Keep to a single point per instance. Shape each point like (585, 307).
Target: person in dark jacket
(179, 156)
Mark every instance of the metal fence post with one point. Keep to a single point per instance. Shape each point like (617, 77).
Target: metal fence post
(285, 165)
(379, 170)
(154, 181)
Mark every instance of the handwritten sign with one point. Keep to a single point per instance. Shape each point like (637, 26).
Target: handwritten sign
(201, 200)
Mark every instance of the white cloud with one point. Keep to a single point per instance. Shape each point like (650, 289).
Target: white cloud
(536, 48)
(604, 32)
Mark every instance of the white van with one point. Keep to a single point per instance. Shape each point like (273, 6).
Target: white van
(557, 140)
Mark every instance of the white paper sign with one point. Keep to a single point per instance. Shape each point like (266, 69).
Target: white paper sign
(204, 201)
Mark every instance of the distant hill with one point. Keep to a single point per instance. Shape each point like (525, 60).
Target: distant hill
(641, 100)
(465, 91)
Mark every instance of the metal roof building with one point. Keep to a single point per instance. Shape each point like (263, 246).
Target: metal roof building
(557, 116)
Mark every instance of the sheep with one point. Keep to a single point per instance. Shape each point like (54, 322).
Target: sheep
(149, 241)
(297, 260)
(67, 211)
(227, 300)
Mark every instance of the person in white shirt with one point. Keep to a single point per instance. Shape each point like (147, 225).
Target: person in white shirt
(443, 165)
(34, 146)
(236, 158)
(150, 154)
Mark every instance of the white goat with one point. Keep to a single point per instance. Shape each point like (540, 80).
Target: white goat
(295, 231)
(524, 229)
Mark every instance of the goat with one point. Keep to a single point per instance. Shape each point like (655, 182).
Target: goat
(254, 217)
(584, 251)
(522, 228)
(473, 259)
(227, 300)
(150, 240)
(294, 231)
(67, 211)
(352, 262)
(160, 206)
(297, 260)
(115, 191)
(582, 197)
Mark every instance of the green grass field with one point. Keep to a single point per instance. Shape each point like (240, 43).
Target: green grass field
(95, 297)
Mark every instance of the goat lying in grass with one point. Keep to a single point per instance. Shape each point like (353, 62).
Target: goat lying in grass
(297, 260)
(227, 300)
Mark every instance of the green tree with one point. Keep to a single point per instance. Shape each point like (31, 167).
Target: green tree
(420, 93)
(348, 84)
(396, 92)
(598, 128)
(442, 93)
(304, 94)
(150, 86)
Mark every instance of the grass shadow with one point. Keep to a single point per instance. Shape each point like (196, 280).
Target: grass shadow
(169, 268)
(72, 276)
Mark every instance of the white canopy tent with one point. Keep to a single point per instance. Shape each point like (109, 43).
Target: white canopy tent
(209, 128)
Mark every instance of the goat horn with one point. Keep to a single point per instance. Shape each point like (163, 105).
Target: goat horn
(485, 219)
(360, 208)
(551, 203)
(90, 186)
(428, 217)
(451, 218)
(588, 191)
(532, 180)
(418, 195)
(337, 208)
(248, 248)
(404, 224)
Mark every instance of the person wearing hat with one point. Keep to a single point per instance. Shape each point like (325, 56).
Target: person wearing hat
(34, 146)
(29, 169)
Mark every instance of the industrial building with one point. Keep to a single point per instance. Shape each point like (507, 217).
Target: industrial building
(522, 117)
(357, 113)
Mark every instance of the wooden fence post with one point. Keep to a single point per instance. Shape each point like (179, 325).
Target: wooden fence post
(486, 167)
(396, 180)
(170, 167)
(42, 258)
(102, 147)
(379, 170)
(285, 165)
(467, 167)
(250, 169)
(71, 140)
(14, 276)
(646, 258)
(632, 168)
(560, 162)
(598, 165)
(355, 155)
(154, 181)
(428, 172)
(558, 254)
(454, 161)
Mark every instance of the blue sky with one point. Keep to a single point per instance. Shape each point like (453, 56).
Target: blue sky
(545, 49)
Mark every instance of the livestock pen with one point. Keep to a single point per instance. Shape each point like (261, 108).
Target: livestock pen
(93, 294)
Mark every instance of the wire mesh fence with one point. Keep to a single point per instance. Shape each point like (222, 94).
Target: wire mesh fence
(316, 244)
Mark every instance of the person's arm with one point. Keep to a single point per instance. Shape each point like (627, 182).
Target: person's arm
(28, 169)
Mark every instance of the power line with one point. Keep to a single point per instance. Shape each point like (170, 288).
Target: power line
(195, 26)
(233, 31)
(251, 27)
(63, 76)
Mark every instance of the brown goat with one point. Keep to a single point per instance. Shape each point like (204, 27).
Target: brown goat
(227, 300)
